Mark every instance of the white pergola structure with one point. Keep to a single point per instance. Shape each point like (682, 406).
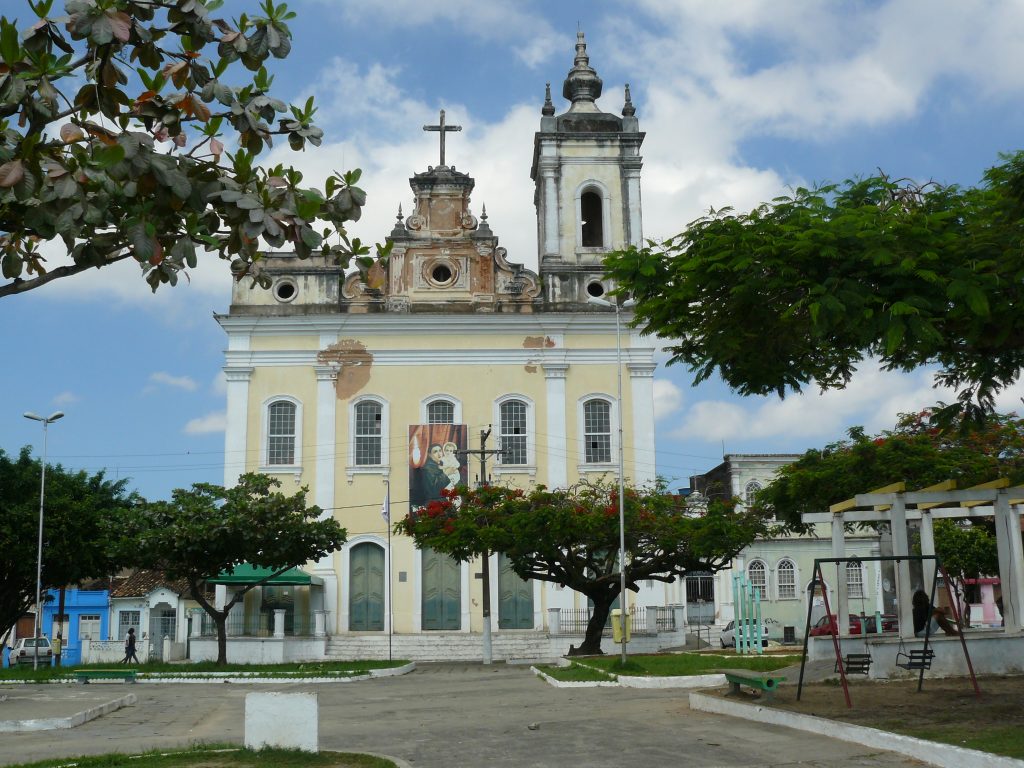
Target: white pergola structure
(894, 505)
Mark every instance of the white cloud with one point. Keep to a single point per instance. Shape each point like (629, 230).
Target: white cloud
(668, 398)
(66, 398)
(211, 422)
(220, 383)
(873, 399)
(186, 383)
(530, 36)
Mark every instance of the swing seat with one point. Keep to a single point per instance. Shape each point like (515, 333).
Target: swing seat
(855, 663)
(916, 658)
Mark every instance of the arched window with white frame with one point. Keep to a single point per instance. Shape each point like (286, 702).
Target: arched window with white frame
(368, 436)
(513, 432)
(785, 579)
(440, 408)
(757, 573)
(593, 215)
(751, 491)
(440, 412)
(282, 433)
(854, 579)
(597, 431)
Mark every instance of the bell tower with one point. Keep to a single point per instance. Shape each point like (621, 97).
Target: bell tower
(586, 174)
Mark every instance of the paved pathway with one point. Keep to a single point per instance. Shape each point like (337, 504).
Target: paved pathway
(457, 715)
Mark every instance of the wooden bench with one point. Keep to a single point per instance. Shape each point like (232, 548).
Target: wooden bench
(762, 681)
(85, 675)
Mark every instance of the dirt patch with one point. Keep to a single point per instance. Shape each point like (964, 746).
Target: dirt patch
(946, 709)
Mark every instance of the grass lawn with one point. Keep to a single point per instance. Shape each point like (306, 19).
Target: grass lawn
(221, 757)
(682, 664)
(305, 669)
(996, 738)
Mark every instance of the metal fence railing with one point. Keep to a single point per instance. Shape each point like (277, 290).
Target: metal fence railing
(259, 625)
(573, 621)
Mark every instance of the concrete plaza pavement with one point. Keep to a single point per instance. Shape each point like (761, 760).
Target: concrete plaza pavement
(447, 715)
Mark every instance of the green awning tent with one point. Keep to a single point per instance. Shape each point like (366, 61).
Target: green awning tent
(249, 574)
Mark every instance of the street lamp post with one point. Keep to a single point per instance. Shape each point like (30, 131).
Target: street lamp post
(47, 421)
(622, 490)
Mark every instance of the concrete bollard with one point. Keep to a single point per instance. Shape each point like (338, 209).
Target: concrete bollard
(285, 720)
(554, 621)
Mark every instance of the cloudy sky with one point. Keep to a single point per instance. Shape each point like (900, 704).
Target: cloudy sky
(740, 101)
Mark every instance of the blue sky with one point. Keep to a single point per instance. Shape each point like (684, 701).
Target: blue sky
(739, 101)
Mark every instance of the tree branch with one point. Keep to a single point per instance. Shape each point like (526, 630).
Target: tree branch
(20, 285)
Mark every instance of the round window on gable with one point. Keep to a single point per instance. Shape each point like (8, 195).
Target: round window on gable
(595, 289)
(285, 290)
(441, 273)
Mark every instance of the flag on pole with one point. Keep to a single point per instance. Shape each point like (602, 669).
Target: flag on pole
(385, 508)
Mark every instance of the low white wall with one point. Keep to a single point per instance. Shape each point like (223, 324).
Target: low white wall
(110, 651)
(992, 653)
(260, 650)
(463, 646)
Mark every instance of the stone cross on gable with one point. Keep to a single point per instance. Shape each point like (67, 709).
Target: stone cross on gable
(442, 129)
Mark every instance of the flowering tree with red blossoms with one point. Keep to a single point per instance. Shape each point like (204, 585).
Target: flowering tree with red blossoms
(571, 537)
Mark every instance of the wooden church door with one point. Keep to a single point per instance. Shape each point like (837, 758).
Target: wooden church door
(366, 588)
(442, 591)
(515, 598)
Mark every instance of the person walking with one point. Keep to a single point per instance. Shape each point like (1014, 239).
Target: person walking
(129, 647)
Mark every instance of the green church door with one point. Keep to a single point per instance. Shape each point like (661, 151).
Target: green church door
(366, 588)
(515, 598)
(442, 591)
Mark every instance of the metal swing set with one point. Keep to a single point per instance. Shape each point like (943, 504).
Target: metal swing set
(914, 659)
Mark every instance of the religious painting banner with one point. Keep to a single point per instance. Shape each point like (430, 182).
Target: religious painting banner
(437, 461)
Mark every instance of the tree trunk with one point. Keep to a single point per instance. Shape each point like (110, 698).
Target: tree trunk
(591, 645)
(220, 618)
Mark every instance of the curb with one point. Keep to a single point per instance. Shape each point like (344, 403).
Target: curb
(575, 683)
(234, 677)
(55, 723)
(931, 752)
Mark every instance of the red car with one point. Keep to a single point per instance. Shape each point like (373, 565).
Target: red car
(826, 625)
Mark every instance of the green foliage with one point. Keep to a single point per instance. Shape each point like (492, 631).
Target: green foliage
(967, 551)
(115, 127)
(84, 517)
(571, 537)
(804, 287)
(222, 756)
(208, 529)
(914, 452)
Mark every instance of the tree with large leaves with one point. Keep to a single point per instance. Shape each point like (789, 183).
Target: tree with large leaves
(126, 133)
(920, 455)
(84, 523)
(805, 287)
(914, 452)
(570, 537)
(208, 529)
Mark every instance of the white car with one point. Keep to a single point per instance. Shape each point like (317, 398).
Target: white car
(26, 648)
(728, 637)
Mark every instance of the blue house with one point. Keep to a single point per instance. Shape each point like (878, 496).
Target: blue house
(86, 614)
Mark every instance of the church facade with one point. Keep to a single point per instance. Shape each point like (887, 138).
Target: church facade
(374, 387)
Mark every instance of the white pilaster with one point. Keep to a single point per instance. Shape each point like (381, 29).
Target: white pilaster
(237, 419)
(901, 547)
(557, 448)
(1011, 561)
(641, 379)
(927, 548)
(839, 550)
(550, 203)
(634, 208)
